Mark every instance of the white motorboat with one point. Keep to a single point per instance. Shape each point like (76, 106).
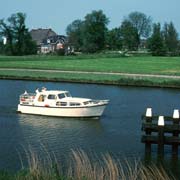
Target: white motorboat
(60, 103)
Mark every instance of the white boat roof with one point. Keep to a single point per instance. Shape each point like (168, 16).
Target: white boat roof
(76, 99)
(72, 99)
(53, 91)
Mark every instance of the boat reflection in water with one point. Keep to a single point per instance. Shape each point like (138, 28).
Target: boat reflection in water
(60, 135)
(57, 136)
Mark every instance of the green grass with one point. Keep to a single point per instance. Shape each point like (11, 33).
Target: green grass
(91, 78)
(95, 63)
(142, 64)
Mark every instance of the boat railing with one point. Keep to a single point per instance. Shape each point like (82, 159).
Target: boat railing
(27, 98)
(94, 102)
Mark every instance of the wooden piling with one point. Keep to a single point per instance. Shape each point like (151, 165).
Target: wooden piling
(161, 141)
(156, 129)
(148, 133)
(148, 119)
(175, 133)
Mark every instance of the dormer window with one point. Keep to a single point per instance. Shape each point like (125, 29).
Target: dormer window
(48, 41)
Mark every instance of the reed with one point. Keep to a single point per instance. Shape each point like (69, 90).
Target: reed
(109, 168)
(81, 166)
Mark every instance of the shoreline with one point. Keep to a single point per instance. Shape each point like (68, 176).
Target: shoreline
(134, 82)
(140, 71)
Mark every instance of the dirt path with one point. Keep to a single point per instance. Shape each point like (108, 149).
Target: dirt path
(96, 73)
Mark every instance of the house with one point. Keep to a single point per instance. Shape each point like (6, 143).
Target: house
(47, 40)
(53, 43)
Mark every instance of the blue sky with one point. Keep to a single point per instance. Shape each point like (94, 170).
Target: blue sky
(57, 14)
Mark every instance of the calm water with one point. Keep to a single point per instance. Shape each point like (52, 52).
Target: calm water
(118, 131)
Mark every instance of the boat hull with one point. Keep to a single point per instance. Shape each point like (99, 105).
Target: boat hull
(90, 111)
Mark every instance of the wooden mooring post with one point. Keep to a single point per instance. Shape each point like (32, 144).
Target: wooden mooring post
(161, 130)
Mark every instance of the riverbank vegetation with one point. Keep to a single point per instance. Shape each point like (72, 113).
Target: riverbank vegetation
(103, 64)
(81, 166)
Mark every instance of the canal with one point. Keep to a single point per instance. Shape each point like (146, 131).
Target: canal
(118, 131)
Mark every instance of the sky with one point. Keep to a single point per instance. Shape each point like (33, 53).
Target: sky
(58, 14)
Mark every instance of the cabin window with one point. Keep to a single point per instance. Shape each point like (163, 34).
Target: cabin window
(87, 102)
(61, 96)
(74, 104)
(41, 98)
(61, 103)
(51, 96)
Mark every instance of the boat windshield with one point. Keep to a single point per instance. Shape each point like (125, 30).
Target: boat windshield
(67, 94)
(63, 95)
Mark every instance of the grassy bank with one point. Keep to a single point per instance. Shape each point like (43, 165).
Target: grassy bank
(141, 65)
(91, 78)
(95, 63)
(82, 167)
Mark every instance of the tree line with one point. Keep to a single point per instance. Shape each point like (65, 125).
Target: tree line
(136, 31)
(92, 35)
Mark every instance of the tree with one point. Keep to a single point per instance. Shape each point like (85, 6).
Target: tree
(155, 42)
(74, 32)
(130, 38)
(170, 38)
(141, 23)
(94, 31)
(19, 41)
(6, 31)
(114, 39)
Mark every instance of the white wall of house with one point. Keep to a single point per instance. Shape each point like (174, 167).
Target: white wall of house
(46, 49)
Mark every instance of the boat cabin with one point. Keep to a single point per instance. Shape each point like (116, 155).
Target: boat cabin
(52, 95)
(54, 99)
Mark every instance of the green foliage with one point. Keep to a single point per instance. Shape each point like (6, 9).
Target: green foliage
(19, 41)
(4, 175)
(74, 32)
(156, 43)
(130, 36)
(94, 31)
(114, 39)
(134, 27)
(141, 23)
(170, 36)
(89, 35)
(164, 42)
(60, 52)
(92, 35)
